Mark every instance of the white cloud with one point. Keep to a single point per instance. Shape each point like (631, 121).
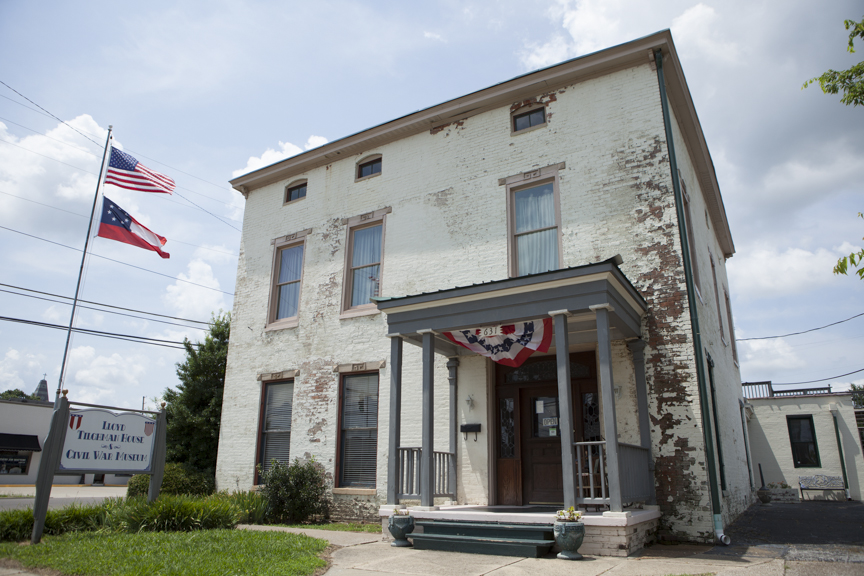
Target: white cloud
(271, 156)
(192, 301)
(433, 36)
(769, 355)
(695, 33)
(770, 272)
(215, 254)
(53, 314)
(20, 370)
(97, 378)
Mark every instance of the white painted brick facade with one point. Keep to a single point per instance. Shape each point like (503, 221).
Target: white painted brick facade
(448, 228)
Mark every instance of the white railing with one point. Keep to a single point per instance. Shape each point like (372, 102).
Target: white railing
(408, 476)
(591, 483)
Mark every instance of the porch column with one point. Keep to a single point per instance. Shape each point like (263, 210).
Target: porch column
(565, 406)
(452, 365)
(607, 389)
(427, 460)
(637, 350)
(393, 479)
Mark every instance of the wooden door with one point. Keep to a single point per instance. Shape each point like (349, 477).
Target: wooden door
(542, 477)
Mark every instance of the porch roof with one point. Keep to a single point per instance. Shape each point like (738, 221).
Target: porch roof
(576, 290)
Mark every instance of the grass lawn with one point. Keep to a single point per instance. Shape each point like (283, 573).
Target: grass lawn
(339, 527)
(203, 552)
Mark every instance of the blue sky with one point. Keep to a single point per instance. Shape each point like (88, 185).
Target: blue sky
(205, 90)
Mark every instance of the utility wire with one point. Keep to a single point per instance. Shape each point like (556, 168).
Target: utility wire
(126, 337)
(803, 332)
(73, 146)
(813, 381)
(118, 261)
(84, 216)
(52, 115)
(105, 305)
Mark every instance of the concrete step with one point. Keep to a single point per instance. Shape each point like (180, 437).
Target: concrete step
(487, 529)
(522, 548)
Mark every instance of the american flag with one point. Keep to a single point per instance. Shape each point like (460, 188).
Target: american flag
(126, 172)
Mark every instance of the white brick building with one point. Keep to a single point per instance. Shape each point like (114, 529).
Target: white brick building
(496, 208)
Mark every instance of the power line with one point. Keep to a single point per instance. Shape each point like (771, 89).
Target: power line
(105, 305)
(74, 147)
(802, 332)
(114, 336)
(49, 113)
(208, 212)
(118, 261)
(813, 381)
(84, 216)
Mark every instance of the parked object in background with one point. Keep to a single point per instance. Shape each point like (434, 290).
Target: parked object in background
(820, 482)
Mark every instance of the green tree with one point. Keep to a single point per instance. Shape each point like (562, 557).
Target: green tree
(16, 394)
(855, 259)
(195, 408)
(850, 82)
(858, 395)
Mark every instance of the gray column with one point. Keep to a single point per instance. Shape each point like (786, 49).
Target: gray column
(427, 460)
(393, 472)
(565, 406)
(160, 451)
(52, 450)
(637, 350)
(607, 390)
(452, 365)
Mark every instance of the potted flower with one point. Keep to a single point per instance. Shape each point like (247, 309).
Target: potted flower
(401, 524)
(569, 533)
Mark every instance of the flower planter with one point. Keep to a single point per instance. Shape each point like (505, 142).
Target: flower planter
(764, 496)
(400, 527)
(569, 536)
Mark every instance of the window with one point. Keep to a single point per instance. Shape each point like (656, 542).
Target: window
(363, 261)
(369, 167)
(287, 274)
(295, 191)
(717, 298)
(275, 440)
(802, 437)
(534, 221)
(358, 430)
(530, 119)
(691, 244)
(731, 326)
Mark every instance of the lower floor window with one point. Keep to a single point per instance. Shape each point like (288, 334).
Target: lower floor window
(358, 438)
(14, 463)
(275, 441)
(802, 437)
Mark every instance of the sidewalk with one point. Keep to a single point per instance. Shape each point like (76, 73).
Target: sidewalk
(65, 491)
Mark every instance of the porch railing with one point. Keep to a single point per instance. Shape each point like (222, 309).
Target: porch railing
(636, 479)
(591, 484)
(408, 477)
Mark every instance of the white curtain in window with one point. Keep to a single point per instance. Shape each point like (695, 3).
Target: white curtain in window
(290, 268)
(365, 260)
(535, 210)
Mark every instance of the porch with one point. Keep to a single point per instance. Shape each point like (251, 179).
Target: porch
(589, 306)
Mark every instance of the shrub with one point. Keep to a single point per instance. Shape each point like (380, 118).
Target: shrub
(172, 513)
(176, 481)
(295, 492)
(17, 525)
(251, 506)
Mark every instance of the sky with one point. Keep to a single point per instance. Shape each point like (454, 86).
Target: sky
(205, 91)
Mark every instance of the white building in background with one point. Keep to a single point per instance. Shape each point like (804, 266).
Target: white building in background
(549, 196)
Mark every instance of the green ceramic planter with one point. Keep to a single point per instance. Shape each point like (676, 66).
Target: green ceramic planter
(569, 536)
(400, 527)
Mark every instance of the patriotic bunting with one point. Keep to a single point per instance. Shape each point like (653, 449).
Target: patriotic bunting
(513, 346)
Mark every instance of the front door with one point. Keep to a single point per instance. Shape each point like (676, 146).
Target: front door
(528, 443)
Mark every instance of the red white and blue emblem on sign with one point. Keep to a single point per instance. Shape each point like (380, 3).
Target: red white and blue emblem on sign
(148, 427)
(75, 421)
(513, 346)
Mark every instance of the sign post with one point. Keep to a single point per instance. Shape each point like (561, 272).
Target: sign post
(98, 440)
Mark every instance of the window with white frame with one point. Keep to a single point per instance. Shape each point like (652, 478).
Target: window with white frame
(534, 221)
(358, 430)
(274, 442)
(369, 167)
(287, 279)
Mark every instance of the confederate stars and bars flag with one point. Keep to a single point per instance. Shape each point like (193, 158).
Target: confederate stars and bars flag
(508, 345)
(126, 172)
(117, 224)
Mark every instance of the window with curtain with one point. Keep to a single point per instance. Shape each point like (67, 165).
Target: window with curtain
(535, 229)
(802, 437)
(364, 269)
(287, 290)
(358, 442)
(275, 441)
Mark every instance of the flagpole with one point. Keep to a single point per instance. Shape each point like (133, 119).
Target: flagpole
(81, 269)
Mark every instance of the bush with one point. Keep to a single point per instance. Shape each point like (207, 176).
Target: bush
(17, 525)
(177, 480)
(172, 513)
(251, 506)
(295, 493)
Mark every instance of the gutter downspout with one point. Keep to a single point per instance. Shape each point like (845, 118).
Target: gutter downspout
(694, 316)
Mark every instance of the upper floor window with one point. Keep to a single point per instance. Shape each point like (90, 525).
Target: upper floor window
(717, 297)
(731, 326)
(363, 261)
(295, 192)
(530, 119)
(369, 167)
(802, 437)
(287, 273)
(691, 242)
(534, 221)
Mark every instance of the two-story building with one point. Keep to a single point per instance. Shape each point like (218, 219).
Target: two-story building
(515, 300)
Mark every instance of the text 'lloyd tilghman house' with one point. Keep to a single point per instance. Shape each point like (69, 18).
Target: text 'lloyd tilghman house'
(572, 212)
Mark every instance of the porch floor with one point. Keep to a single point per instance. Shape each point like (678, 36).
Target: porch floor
(526, 515)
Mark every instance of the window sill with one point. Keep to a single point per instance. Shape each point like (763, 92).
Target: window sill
(354, 491)
(524, 130)
(356, 312)
(282, 324)
(370, 176)
(287, 202)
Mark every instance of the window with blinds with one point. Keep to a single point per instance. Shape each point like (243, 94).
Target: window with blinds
(276, 431)
(359, 431)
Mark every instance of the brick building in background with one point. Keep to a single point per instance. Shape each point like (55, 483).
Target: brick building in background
(549, 196)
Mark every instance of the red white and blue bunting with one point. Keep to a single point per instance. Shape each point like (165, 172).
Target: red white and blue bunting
(514, 344)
